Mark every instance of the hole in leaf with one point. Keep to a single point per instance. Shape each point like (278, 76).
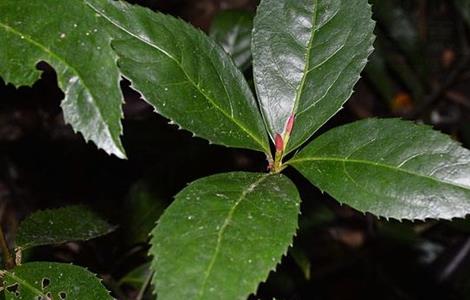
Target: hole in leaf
(49, 296)
(14, 289)
(45, 283)
(63, 295)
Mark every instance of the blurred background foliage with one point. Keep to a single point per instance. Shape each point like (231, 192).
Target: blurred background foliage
(420, 70)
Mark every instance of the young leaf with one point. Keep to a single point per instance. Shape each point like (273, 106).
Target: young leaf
(74, 44)
(44, 280)
(222, 236)
(232, 30)
(307, 56)
(185, 75)
(57, 226)
(391, 168)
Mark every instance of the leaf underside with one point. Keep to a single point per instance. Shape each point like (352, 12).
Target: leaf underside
(57, 226)
(72, 41)
(184, 75)
(307, 57)
(222, 236)
(390, 168)
(44, 280)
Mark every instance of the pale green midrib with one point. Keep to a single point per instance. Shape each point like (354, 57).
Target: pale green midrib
(25, 284)
(226, 223)
(308, 54)
(371, 163)
(63, 61)
(226, 114)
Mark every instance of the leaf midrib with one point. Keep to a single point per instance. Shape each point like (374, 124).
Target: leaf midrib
(44, 48)
(376, 164)
(308, 54)
(226, 114)
(221, 232)
(26, 284)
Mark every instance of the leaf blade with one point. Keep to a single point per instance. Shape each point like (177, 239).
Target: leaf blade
(206, 84)
(218, 221)
(307, 56)
(423, 175)
(82, 73)
(57, 226)
(52, 281)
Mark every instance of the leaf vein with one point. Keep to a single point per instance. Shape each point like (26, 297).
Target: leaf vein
(178, 63)
(224, 227)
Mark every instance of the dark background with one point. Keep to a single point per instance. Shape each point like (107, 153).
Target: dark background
(420, 71)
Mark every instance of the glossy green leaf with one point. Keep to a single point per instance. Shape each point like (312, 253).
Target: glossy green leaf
(44, 280)
(307, 56)
(232, 30)
(57, 226)
(391, 168)
(222, 236)
(72, 41)
(184, 75)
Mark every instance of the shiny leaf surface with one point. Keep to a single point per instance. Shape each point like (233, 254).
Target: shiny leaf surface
(391, 168)
(44, 280)
(184, 75)
(222, 236)
(72, 41)
(232, 30)
(307, 56)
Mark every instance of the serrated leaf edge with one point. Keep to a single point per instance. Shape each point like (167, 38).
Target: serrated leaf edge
(387, 218)
(117, 148)
(264, 146)
(277, 262)
(28, 246)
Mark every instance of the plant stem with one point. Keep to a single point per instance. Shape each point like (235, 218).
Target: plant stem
(141, 294)
(8, 260)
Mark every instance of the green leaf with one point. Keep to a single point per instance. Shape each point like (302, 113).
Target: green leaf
(307, 56)
(44, 280)
(232, 30)
(57, 226)
(391, 168)
(222, 236)
(184, 75)
(71, 40)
